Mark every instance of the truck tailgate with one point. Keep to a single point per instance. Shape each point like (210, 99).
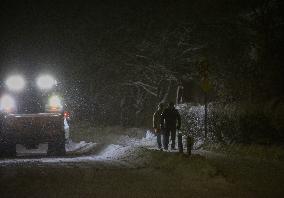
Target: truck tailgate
(39, 126)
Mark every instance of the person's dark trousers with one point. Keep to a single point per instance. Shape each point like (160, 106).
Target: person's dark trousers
(166, 137)
(180, 144)
(159, 139)
(173, 138)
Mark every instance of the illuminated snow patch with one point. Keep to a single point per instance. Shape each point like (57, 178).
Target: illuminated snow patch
(150, 139)
(113, 151)
(73, 146)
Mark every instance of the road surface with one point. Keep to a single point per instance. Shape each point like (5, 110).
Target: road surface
(133, 167)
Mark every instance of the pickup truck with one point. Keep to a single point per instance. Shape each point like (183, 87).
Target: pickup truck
(32, 112)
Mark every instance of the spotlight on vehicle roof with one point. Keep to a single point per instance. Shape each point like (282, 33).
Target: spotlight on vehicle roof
(15, 83)
(46, 82)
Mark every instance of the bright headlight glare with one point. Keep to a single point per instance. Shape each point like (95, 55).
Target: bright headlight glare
(7, 103)
(46, 82)
(15, 83)
(55, 102)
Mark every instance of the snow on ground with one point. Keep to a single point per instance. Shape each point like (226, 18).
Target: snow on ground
(127, 145)
(77, 152)
(99, 152)
(79, 148)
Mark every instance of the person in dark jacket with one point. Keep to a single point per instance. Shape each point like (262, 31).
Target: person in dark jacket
(170, 122)
(157, 124)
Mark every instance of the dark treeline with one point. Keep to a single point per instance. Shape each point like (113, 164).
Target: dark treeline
(120, 59)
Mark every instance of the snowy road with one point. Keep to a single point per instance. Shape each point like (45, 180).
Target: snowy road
(82, 154)
(125, 167)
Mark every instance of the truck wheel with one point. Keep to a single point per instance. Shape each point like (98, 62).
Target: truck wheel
(7, 149)
(57, 147)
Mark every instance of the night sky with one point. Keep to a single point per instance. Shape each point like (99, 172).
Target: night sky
(40, 34)
(100, 46)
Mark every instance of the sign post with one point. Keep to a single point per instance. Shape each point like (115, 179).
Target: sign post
(205, 85)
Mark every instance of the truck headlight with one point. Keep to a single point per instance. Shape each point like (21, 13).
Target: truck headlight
(55, 103)
(7, 104)
(15, 83)
(46, 82)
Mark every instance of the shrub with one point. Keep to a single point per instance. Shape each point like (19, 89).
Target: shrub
(235, 123)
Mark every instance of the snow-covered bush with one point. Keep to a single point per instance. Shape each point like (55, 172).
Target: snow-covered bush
(192, 118)
(234, 123)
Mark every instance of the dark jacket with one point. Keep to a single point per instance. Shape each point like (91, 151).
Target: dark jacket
(171, 119)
